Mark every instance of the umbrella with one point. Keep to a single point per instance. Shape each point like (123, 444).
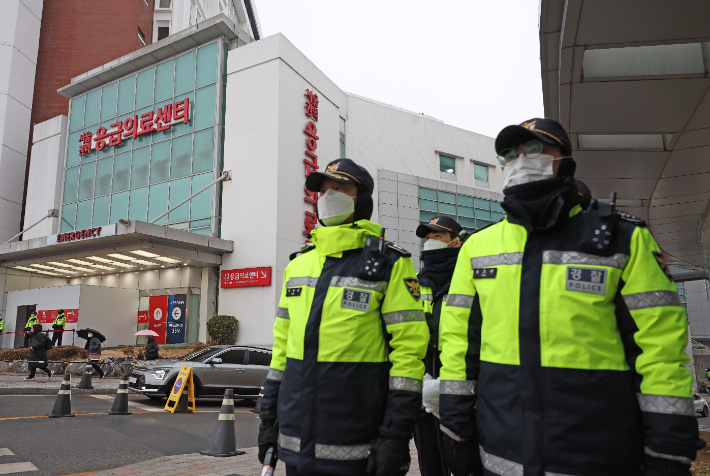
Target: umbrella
(83, 334)
(146, 332)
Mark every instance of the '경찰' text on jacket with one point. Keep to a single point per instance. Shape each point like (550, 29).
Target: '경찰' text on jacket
(347, 352)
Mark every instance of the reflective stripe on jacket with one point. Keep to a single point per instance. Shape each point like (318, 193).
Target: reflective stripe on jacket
(60, 320)
(574, 362)
(31, 322)
(334, 380)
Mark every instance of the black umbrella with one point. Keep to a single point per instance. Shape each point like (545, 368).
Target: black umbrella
(83, 334)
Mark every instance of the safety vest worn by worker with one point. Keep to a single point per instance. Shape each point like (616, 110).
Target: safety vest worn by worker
(31, 322)
(332, 378)
(574, 362)
(2, 325)
(60, 320)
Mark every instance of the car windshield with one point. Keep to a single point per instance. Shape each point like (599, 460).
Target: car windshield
(202, 354)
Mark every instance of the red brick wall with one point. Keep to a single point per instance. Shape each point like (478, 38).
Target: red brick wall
(77, 36)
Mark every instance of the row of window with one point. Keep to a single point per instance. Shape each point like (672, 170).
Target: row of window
(186, 155)
(447, 165)
(173, 78)
(146, 204)
(471, 213)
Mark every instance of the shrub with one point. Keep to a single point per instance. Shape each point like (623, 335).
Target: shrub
(15, 354)
(129, 351)
(223, 329)
(67, 353)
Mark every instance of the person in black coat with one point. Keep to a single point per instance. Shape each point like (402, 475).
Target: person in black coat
(151, 349)
(93, 345)
(39, 345)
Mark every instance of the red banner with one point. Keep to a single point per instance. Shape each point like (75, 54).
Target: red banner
(47, 317)
(157, 316)
(143, 317)
(240, 278)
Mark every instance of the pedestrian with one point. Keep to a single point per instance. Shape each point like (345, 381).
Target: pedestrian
(441, 249)
(93, 345)
(151, 349)
(350, 335)
(28, 327)
(58, 325)
(565, 331)
(39, 345)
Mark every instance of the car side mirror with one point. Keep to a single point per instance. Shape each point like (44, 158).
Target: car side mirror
(216, 360)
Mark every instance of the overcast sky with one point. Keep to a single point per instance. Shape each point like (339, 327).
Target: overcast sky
(473, 64)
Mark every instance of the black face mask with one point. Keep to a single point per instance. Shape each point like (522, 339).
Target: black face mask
(541, 204)
(438, 268)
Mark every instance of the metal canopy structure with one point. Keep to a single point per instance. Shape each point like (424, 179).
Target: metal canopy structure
(630, 82)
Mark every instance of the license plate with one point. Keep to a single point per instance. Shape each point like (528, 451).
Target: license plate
(132, 380)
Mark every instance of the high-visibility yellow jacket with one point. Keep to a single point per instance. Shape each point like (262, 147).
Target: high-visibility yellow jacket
(2, 324)
(347, 355)
(31, 322)
(573, 361)
(60, 320)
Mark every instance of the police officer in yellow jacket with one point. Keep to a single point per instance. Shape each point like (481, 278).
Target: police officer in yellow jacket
(565, 331)
(344, 388)
(58, 325)
(28, 327)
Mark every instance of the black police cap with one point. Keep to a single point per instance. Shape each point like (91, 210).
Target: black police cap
(439, 224)
(344, 171)
(548, 131)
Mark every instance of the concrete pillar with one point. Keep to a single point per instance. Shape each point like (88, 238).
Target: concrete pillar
(208, 300)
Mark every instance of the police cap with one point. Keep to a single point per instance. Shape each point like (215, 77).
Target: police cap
(343, 171)
(439, 224)
(548, 131)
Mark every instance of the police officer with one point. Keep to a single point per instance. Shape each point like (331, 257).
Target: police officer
(58, 325)
(439, 254)
(28, 327)
(565, 331)
(2, 324)
(344, 388)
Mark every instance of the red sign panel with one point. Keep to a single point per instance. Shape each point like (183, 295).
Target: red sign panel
(47, 317)
(157, 316)
(143, 317)
(241, 278)
(160, 121)
(311, 160)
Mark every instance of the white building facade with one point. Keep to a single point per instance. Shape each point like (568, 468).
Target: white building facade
(236, 105)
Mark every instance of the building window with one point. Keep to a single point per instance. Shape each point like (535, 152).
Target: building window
(681, 293)
(164, 4)
(342, 138)
(480, 172)
(141, 36)
(142, 178)
(471, 213)
(163, 32)
(447, 165)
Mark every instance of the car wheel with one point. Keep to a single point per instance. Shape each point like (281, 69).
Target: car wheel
(705, 411)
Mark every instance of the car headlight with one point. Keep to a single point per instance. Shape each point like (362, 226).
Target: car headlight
(159, 374)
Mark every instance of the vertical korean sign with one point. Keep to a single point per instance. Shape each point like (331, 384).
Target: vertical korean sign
(177, 312)
(157, 315)
(311, 160)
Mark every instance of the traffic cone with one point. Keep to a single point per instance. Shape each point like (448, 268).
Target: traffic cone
(225, 437)
(86, 377)
(120, 403)
(62, 406)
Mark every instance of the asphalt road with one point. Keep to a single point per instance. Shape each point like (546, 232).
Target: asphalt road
(94, 440)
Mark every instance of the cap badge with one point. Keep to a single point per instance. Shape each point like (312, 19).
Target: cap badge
(333, 167)
(434, 221)
(529, 125)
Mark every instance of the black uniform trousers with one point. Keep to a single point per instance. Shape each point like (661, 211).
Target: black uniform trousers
(28, 336)
(57, 336)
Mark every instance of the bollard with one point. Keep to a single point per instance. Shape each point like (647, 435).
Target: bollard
(62, 406)
(225, 437)
(86, 377)
(120, 403)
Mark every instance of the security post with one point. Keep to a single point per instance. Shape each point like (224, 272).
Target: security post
(175, 401)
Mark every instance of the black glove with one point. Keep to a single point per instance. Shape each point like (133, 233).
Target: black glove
(389, 455)
(461, 457)
(268, 433)
(665, 467)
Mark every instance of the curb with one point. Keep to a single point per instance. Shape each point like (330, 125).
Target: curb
(53, 391)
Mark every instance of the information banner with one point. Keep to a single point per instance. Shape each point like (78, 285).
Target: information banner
(143, 317)
(177, 310)
(47, 317)
(157, 316)
(239, 278)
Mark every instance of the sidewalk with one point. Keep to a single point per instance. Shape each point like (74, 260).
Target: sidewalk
(196, 464)
(12, 384)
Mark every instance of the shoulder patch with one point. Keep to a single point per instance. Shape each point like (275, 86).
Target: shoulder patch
(661, 260)
(303, 250)
(398, 249)
(412, 285)
(630, 218)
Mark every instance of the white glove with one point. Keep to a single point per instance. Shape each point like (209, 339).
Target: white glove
(430, 395)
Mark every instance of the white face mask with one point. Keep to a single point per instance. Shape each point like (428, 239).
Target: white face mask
(335, 207)
(432, 244)
(526, 170)
(90, 335)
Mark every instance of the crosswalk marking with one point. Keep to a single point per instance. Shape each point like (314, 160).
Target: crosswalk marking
(134, 405)
(6, 452)
(9, 468)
